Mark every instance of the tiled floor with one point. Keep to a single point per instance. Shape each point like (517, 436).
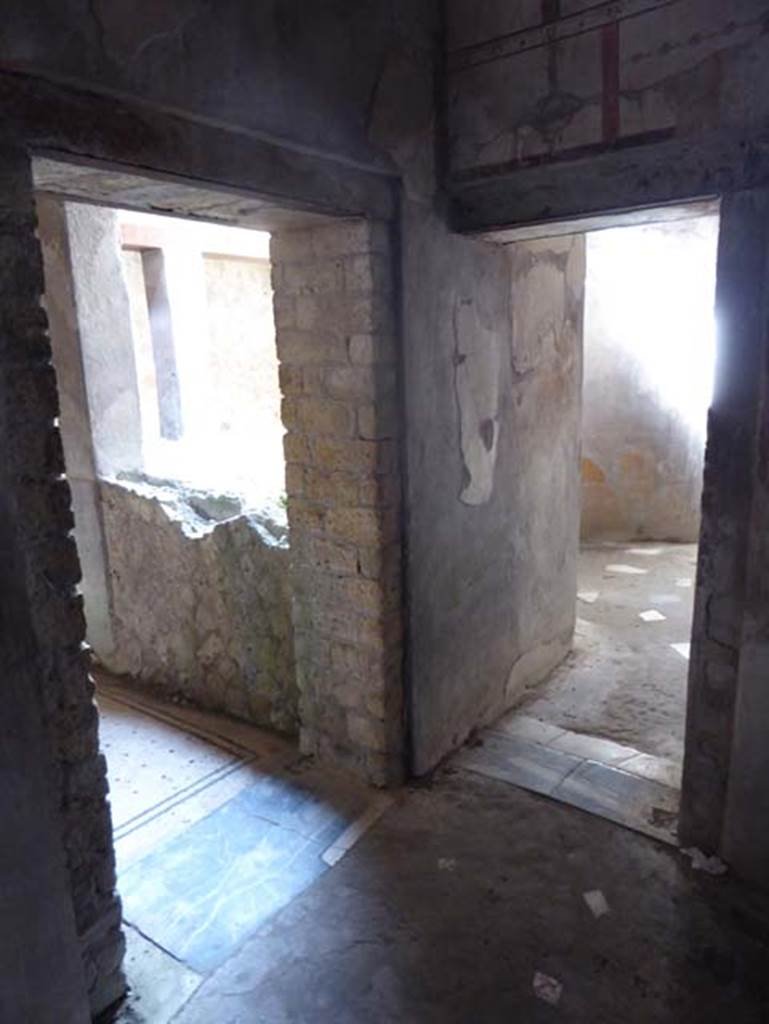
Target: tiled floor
(605, 732)
(636, 790)
(625, 679)
(217, 827)
(449, 908)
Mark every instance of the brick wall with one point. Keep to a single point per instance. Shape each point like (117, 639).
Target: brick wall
(335, 320)
(40, 500)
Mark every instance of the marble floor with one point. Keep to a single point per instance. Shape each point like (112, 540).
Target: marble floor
(259, 891)
(217, 827)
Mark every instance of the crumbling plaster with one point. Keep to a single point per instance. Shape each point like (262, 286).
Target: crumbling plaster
(595, 75)
(499, 613)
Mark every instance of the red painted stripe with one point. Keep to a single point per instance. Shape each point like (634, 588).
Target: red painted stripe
(610, 66)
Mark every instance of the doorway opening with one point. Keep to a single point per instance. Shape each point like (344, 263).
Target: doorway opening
(184, 350)
(605, 729)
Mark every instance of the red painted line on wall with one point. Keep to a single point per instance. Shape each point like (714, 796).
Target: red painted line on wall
(610, 70)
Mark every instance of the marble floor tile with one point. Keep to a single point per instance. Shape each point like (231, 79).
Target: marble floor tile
(519, 761)
(202, 893)
(638, 803)
(527, 728)
(158, 984)
(151, 762)
(659, 769)
(592, 748)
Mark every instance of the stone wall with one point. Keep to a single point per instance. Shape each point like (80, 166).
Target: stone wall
(200, 601)
(725, 782)
(649, 343)
(58, 666)
(336, 321)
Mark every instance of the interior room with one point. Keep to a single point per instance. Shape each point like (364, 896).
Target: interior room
(647, 363)
(384, 618)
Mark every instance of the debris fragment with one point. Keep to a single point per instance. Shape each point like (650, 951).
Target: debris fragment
(646, 552)
(627, 570)
(684, 582)
(652, 615)
(596, 900)
(701, 862)
(682, 649)
(588, 596)
(546, 988)
(446, 863)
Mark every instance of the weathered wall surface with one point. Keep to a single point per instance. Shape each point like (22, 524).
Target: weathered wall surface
(87, 306)
(49, 666)
(336, 323)
(172, 598)
(284, 69)
(333, 78)
(200, 609)
(492, 392)
(648, 351)
(598, 76)
(725, 782)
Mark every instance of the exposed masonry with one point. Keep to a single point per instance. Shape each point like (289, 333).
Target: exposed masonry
(336, 347)
(200, 600)
(44, 525)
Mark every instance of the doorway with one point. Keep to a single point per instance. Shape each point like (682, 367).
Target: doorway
(605, 729)
(176, 471)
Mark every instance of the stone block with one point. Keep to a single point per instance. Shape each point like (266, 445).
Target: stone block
(296, 448)
(308, 346)
(370, 349)
(324, 555)
(350, 456)
(350, 237)
(378, 421)
(367, 732)
(367, 274)
(319, 416)
(331, 488)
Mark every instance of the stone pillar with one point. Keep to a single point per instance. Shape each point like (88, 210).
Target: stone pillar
(42, 620)
(335, 322)
(727, 498)
(74, 416)
(745, 840)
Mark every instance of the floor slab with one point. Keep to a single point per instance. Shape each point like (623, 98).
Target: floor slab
(390, 935)
(624, 680)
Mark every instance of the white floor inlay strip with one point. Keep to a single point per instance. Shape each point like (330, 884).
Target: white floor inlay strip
(682, 649)
(645, 552)
(652, 615)
(627, 570)
(684, 582)
(353, 832)
(588, 596)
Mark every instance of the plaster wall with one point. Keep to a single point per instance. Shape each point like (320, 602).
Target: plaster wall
(493, 404)
(597, 76)
(648, 366)
(308, 74)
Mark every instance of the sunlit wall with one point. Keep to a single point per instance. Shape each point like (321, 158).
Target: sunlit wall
(649, 346)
